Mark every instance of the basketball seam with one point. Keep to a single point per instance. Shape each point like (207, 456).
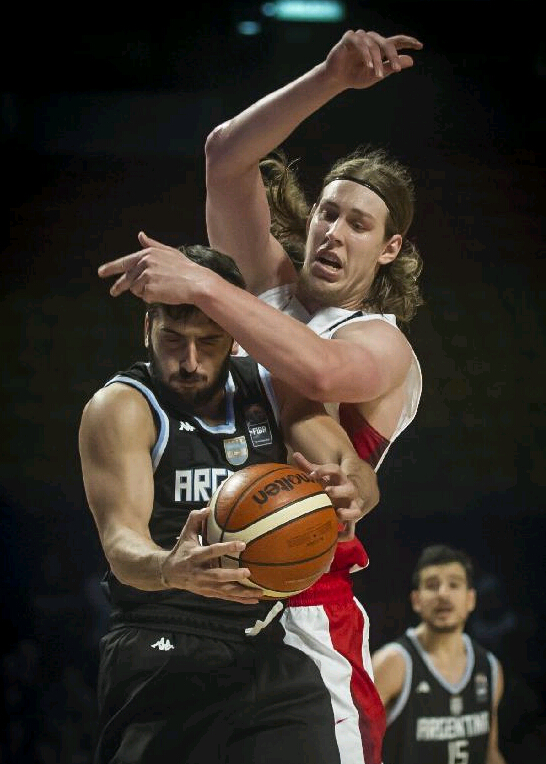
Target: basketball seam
(275, 511)
(245, 490)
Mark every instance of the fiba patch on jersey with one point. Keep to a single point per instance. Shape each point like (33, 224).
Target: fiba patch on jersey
(236, 450)
(258, 426)
(456, 705)
(481, 687)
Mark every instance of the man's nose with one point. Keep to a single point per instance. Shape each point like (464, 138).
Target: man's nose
(334, 232)
(189, 357)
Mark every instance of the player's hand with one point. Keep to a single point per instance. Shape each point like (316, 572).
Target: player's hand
(341, 491)
(194, 567)
(156, 273)
(361, 59)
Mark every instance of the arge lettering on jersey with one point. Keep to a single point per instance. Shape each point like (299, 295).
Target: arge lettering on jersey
(258, 425)
(452, 727)
(200, 484)
(236, 450)
(481, 687)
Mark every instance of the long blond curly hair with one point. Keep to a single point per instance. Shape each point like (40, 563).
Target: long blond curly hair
(395, 288)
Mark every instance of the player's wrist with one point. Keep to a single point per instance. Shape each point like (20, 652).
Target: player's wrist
(163, 579)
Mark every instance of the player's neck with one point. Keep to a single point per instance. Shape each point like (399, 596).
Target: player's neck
(440, 643)
(213, 412)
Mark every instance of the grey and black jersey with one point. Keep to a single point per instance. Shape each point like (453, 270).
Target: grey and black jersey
(436, 722)
(190, 460)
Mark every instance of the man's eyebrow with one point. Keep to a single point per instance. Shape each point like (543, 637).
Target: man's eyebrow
(357, 210)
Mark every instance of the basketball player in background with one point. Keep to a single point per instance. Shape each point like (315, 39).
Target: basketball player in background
(441, 690)
(355, 277)
(193, 667)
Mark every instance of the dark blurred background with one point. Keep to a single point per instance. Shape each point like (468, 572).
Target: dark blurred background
(103, 126)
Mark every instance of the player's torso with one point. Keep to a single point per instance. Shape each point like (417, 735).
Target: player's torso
(435, 721)
(190, 460)
(192, 457)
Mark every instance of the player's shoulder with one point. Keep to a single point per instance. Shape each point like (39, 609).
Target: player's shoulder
(116, 401)
(392, 657)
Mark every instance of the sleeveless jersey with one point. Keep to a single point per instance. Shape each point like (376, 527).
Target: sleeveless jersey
(434, 721)
(370, 445)
(190, 460)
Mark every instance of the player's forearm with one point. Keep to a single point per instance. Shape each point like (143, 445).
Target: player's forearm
(286, 347)
(135, 560)
(242, 141)
(364, 478)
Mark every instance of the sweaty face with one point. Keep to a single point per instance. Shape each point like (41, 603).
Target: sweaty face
(190, 356)
(345, 246)
(443, 599)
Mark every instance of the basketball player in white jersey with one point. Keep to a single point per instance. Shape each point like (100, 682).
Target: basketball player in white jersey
(358, 277)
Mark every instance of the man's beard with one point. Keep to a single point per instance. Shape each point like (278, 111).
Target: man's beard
(447, 629)
(189, 399)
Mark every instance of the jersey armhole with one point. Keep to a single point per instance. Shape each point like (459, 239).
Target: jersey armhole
(400, 703)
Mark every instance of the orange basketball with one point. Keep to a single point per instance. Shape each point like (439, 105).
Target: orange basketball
(285, 518)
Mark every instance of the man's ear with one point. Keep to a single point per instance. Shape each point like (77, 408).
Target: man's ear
(415, 602)
(146, 329)
(391, 250)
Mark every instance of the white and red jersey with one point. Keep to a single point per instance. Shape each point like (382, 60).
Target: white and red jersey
(370, 445)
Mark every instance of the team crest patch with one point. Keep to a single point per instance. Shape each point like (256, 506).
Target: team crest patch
(481, 686)
(456, 705)
(236, 450)
(258, 426)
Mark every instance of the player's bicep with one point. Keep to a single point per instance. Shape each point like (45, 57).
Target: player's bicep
(306, 427)
(389, 670)
(114, 442)
(238, 224)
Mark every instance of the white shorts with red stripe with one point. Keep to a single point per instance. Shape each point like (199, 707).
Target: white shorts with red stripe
(330, 625)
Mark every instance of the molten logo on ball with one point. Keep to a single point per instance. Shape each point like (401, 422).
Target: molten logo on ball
(286, 520)
(287, 483)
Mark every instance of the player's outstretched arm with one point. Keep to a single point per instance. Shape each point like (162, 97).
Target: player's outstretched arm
(116, 435)
(389, 671)
(365, 361)
(323, 447)
(237, 211)
(494, 756)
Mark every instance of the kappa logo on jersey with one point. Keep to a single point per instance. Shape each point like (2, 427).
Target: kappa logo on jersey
(186, 427)
(456, 705)
(258, 426)
(481, 686)
(163, 644)
(236, 450)
(422, 687)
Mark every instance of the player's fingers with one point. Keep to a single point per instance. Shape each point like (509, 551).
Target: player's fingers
(121, 265)
(212, 551)
(147, 241)
(356, 41)
(401, 41)
(374, 43)
(303, 463)
(194, 524)
(134, 280)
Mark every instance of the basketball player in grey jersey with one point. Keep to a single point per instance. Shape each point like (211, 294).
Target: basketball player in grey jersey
(440, 689)
(192, 668)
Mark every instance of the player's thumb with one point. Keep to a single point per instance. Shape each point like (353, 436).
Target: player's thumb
(147, 241)
(303, 463)
(193, 526)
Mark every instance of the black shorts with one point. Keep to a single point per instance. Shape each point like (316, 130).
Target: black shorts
(176, 698)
